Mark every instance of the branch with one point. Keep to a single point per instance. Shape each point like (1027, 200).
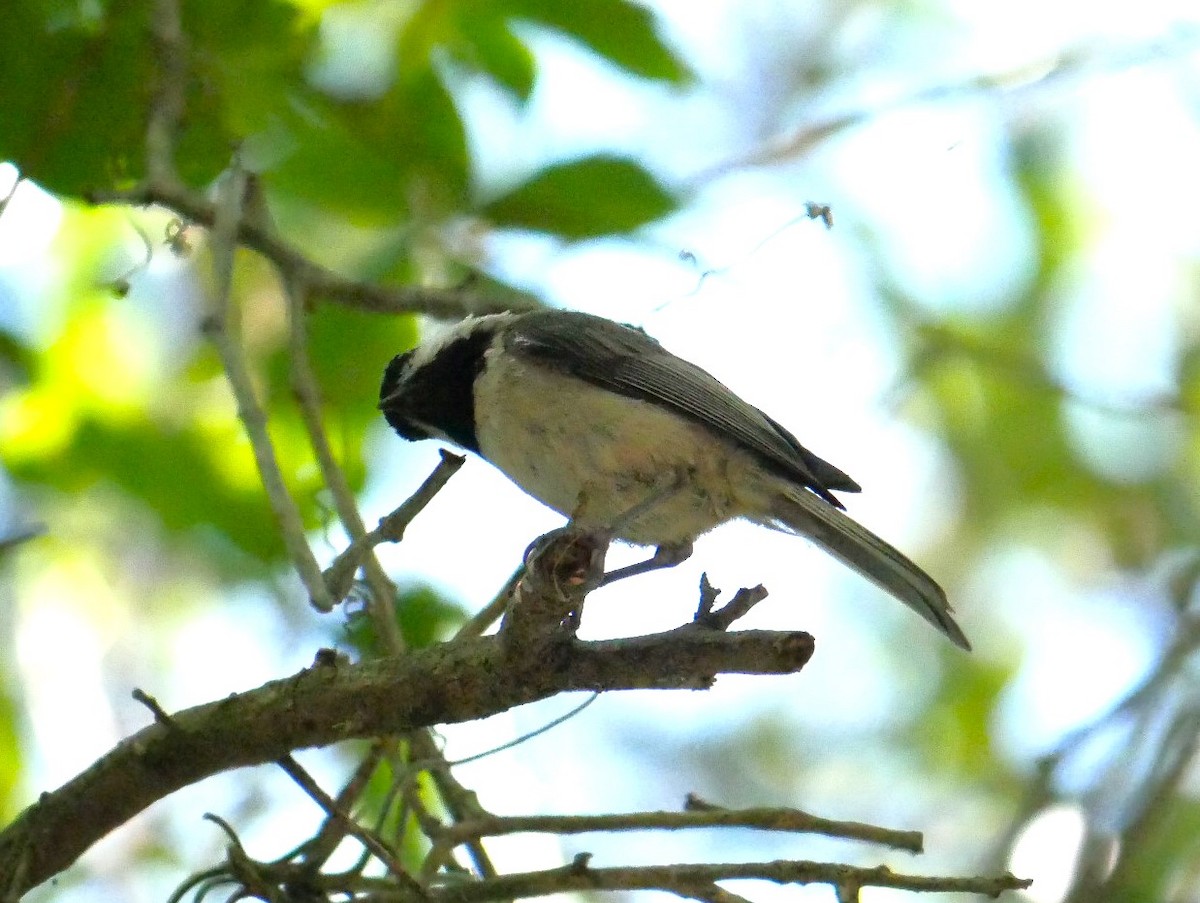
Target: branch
(339, 575)
(220, 327)
(21, 535)
(308, 400)
(766, 819)
(450, 303)
(739, 606)
(327, 839)
(561, 568)
(167, 107)
(1073, 66)
(686, 879)
(327, 703)
(382, 598)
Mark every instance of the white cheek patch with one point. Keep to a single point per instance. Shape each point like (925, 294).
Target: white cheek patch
(429, 348)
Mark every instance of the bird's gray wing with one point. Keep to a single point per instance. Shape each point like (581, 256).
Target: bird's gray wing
(625, 360)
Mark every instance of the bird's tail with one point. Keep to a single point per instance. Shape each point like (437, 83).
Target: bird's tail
(881, 563)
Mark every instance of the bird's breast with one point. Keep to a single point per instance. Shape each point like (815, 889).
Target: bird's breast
(593, 454)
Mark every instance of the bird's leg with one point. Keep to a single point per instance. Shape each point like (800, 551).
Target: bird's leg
(663, 488)
(666, 556)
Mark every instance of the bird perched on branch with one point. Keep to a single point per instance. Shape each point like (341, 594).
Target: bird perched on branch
(604, 425)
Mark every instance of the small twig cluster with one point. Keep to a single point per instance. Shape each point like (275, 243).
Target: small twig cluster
(440, 879)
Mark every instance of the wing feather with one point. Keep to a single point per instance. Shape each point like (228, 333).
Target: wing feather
(625, 360)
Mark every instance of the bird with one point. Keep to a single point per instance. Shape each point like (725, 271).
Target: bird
(600, 422)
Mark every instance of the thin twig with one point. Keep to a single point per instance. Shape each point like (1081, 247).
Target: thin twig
(321, 282)
(460, 802)
(708, 598)
(169, 44)
(1072, 67)
(160, 714)
(478, 623)
(710, 893)
(682, 878)
(321, 846)
(339, 575)
(308, 399)
(529, 735)
(22, 535)
(218, 328)
(738, 607)
(765, 819)
(298, 774)
(382, 592)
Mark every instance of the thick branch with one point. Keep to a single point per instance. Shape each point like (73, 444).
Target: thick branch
(452, 682)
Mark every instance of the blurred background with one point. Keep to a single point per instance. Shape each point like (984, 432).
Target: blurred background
(993, 327)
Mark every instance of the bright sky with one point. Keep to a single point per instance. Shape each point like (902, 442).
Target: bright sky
(785, 321)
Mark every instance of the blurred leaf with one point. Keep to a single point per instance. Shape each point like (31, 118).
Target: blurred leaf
(78, 83)
(1007, 433)
(423, 616)
(247, 79)
(955, 733)
(380, 162)
(490, 46)
(584, 198)
(171, 471)
(380, 807)
(16, 360)
(74, 93)
(1159, 860)
(349, 350)
(622, 32)
(10, 755)
(13, 537)
(1189, 379)
(330, 166)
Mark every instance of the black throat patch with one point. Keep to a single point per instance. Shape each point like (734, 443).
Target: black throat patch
(437, 399)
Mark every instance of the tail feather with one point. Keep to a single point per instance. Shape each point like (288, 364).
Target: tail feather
(878, 561)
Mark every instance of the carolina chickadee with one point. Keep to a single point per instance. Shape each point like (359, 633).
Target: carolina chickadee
(603, 424)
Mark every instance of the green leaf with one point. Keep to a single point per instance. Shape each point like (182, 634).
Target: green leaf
(378, 163)
(489, 45)
(17, 360)
(11, 765)
(623, 33)
(173, 473)
(423, 616)
(77, 88)
(348, 350)
(332, 168)
(73, 95)
(584, 198)
(247, 63)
